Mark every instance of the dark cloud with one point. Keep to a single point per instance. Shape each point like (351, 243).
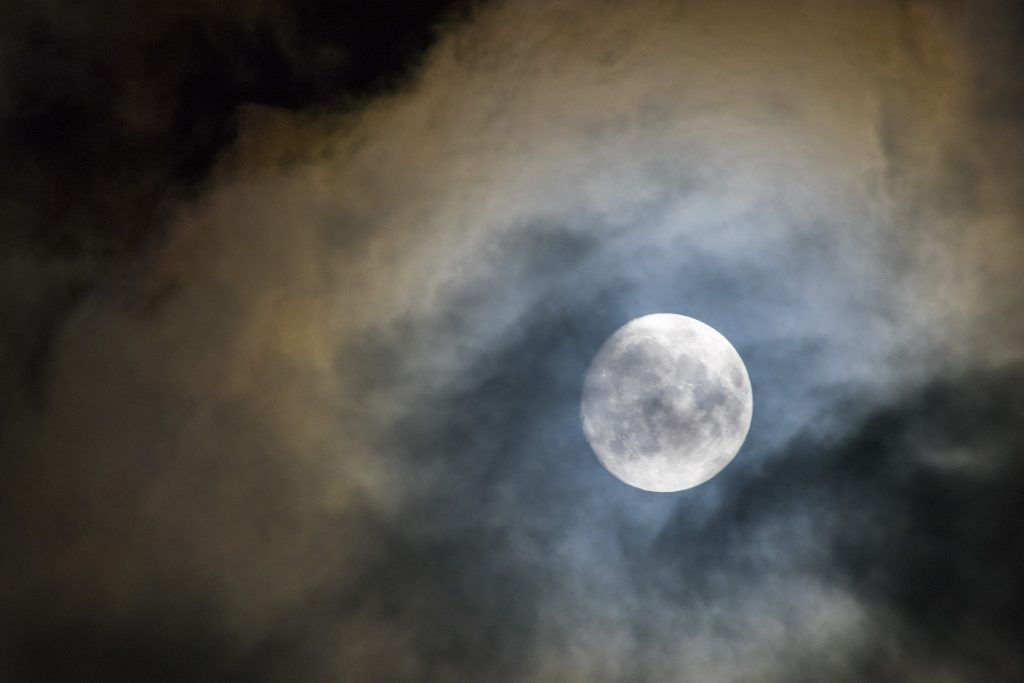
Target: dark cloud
(885, 512)
(311, 412)
(912, 511)
(111, 115)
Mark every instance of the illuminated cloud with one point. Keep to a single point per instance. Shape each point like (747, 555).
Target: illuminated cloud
(328, 429)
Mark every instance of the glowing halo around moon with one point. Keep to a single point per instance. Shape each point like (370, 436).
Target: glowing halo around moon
(667, 403)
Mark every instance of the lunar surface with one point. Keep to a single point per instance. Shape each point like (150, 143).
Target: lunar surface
(666, 403)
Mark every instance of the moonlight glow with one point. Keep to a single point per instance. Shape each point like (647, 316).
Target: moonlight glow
(666, 403)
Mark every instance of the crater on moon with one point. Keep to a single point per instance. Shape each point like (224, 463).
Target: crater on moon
(666, 403)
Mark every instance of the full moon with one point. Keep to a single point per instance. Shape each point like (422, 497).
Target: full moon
(666, 403)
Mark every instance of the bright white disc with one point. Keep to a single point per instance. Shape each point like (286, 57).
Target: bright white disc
(667, 403)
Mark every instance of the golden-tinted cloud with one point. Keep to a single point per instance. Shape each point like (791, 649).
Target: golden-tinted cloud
(337, 409)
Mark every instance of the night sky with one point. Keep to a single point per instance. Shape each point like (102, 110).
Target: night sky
(297, 298)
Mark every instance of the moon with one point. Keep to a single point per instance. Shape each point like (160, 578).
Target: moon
(667, 403)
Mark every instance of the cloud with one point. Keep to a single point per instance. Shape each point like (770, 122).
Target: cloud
(335, 414)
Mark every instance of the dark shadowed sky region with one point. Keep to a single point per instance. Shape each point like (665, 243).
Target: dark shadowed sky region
(297, 298)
